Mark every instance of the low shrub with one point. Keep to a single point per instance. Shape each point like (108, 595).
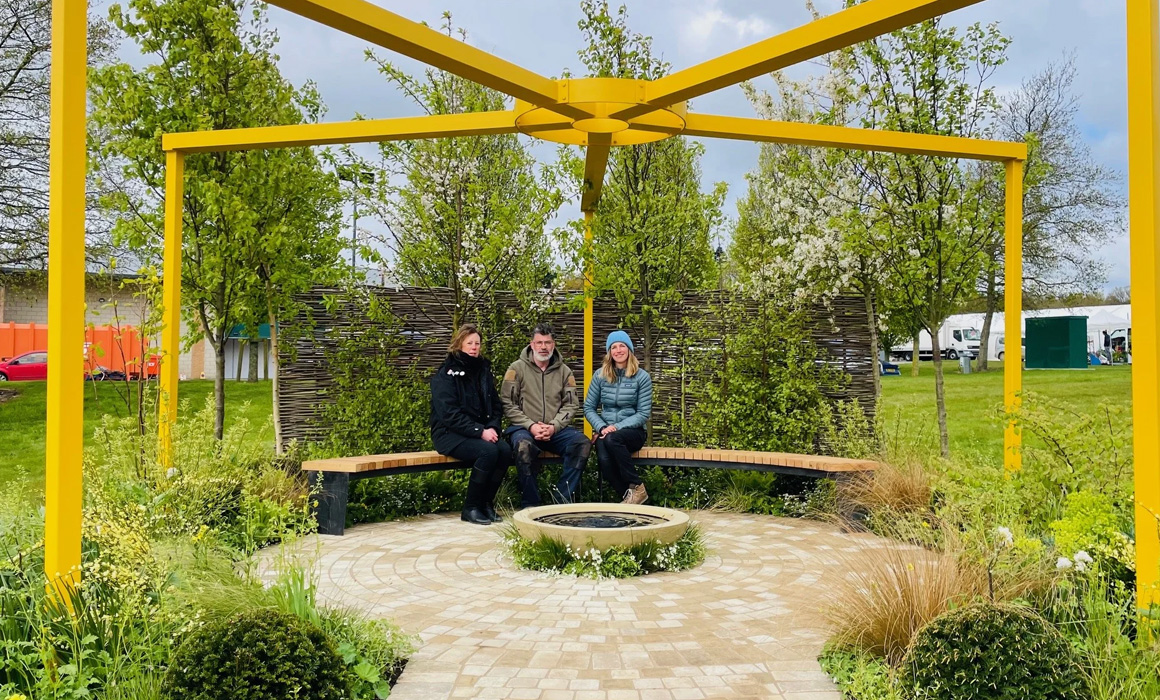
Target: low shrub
(987, 651)
(256, 655)
(1091, 526)
(858, 675)
(553, 556)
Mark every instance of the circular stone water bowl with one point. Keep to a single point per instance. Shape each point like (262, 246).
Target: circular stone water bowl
(601, 525)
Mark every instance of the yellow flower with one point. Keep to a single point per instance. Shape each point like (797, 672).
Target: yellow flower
(17, 696)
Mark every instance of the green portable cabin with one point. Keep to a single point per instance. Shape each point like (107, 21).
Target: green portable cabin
(1059, 342)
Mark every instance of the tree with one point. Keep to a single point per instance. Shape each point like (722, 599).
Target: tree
(653, 224)
(801, 228)
(465, 213)
(931, 230)
(25, 35)
(257, 224)
(1070, 204)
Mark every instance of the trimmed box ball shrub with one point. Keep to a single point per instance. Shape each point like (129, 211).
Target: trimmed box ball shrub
(989, 651)
(256, 655)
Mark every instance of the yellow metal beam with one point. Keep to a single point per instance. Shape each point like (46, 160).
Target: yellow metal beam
(64, 426)
(361, 131)
(595, 165)
(1144, 226)
(829, 33)
(749, 129)
(1012, 317)
(588, 313)
(391, 31)
(170, 305)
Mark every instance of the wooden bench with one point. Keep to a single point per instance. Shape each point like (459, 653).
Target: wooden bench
(336, 474)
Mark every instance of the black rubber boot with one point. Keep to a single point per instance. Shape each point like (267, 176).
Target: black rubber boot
(489, 509)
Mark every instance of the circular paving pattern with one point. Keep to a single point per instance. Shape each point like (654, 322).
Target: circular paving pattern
(745, 624)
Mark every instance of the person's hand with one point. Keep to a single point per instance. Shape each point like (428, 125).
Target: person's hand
(607, 429)
(490, 435)
(547, 430)
(538, 432)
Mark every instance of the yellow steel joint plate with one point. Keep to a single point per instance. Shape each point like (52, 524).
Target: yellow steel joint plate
(600, 98)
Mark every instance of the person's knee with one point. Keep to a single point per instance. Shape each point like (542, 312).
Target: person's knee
(616, 437)
(489, 454)
(580, 449)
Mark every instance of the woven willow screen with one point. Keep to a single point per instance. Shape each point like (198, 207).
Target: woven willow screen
(423, 325)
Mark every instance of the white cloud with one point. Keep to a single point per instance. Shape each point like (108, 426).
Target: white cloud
(711, 25)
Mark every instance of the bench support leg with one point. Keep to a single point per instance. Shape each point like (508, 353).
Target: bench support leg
(331, 508)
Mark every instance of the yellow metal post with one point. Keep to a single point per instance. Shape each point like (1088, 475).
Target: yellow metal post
(171, 305)
(587, 314)
(1143, 179)
(1013, 314)
(64, 427)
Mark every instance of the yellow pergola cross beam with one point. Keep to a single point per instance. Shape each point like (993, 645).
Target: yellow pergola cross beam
(597, 113)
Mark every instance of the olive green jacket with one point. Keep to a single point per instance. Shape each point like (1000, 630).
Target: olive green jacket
(530, 396)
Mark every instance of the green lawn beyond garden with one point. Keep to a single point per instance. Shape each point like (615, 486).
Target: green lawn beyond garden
(908, 408)
(22, 417)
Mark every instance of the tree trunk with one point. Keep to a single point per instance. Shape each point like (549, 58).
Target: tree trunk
(940, 398)
(274, 376)
(648, 367)
(985, 336)
(238, 361)
(252, 346)
(876, 368)
(219, 389)
(914, 358)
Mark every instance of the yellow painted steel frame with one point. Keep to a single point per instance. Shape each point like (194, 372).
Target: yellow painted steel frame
(64, 427)
(1143, 180)
(598, 113)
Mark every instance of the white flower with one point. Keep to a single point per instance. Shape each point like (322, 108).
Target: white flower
(1063, 563)
(170, 472)
(1006, 539)
(1082, 559)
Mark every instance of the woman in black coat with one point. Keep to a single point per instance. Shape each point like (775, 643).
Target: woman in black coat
(465, 413)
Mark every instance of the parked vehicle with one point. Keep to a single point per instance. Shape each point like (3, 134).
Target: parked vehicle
(104, 374)
(27, 367)
(954, 341)
(1002, 340)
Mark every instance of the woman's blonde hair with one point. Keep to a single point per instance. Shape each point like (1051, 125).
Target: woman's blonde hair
(461, 335)
(608, 368)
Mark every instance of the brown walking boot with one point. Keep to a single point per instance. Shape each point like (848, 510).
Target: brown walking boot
(635, 495)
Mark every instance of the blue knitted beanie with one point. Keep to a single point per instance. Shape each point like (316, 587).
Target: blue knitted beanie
(618, 337)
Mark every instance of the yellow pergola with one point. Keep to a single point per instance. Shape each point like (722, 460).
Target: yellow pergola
(597, 114)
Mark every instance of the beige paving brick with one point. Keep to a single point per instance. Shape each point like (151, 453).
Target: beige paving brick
(747, 623)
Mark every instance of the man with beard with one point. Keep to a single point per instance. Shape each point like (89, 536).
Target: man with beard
(539, 399)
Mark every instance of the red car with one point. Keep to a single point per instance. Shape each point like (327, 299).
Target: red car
(26, 367)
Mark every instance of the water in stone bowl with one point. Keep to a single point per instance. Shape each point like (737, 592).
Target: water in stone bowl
(601, 525)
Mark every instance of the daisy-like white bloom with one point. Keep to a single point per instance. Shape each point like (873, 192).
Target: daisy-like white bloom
(1063, 563)
(1006, 539)
(1082, 560)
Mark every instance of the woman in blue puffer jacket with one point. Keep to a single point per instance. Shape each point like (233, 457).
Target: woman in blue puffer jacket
(618, 405)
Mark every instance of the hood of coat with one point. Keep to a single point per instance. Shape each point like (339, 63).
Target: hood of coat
(554, 361)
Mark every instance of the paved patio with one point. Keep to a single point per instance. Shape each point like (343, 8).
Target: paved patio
(745, 624)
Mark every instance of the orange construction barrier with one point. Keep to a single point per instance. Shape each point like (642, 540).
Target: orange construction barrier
(118, 349)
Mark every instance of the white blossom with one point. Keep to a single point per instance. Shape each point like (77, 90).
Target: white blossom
(1006, 539)
(1063, 563)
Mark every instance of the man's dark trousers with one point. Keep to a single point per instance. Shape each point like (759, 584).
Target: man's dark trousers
(569, 443)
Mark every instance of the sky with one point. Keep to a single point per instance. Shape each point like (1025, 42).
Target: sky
(542, 35)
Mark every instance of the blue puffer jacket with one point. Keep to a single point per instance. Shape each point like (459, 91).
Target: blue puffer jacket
(625, 404)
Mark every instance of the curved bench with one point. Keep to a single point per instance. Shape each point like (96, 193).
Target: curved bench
(336, 474)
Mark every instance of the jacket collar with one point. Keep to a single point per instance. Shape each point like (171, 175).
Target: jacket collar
(554, 361)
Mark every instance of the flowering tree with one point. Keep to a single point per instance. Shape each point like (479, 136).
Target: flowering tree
(465, 213)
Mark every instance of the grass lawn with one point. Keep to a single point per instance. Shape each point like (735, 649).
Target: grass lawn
(975, 400)
(973, 404)
(22, 417)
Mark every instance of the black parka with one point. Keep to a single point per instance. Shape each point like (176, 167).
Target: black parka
(464, 401)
